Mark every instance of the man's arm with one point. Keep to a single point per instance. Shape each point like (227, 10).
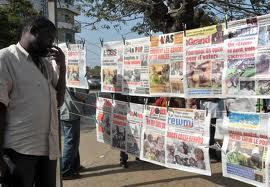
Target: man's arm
(59, 58)
(61, 86)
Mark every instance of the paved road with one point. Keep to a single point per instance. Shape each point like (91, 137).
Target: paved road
(103, 169)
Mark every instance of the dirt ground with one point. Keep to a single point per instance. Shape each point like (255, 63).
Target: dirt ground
(103, 169)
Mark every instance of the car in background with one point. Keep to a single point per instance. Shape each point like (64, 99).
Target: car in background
(94, 82)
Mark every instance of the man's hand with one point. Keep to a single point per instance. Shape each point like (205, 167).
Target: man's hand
(57, 54)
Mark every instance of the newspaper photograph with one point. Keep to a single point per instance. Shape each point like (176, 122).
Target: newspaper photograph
(187, 140)
(119, 124)
(111, 66)
(240, 77)
(246, 148)
(166, 65)
(103, 120)
(153, 135)
(75, 56)
(204, 60)
(134, 127)
(135, 67)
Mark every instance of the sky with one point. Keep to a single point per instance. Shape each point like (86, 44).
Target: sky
(92, 39)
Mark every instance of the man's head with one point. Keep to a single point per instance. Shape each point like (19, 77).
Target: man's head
(38, 35)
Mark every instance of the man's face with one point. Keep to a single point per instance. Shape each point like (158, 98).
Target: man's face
(43, 41)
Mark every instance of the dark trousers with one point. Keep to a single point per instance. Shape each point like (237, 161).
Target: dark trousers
(212, 152)
(71, 156)
(123, 157)
(29, 170)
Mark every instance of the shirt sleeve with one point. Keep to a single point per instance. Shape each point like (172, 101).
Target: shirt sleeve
(5, 82)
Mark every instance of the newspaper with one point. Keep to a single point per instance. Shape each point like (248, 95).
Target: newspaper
(245, 147)
(75, 56)
(153, 133)
(119, 124)
(133, 130)
(263, 57)
(187, 140)
(111, 66)
(103, 120)
(241, 52)
(204, 59)
(166, 65)
(135, 67)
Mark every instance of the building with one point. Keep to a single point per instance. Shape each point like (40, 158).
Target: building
(66, 11)
(67, 25)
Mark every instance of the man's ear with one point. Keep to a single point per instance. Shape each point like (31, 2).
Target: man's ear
(34, 30)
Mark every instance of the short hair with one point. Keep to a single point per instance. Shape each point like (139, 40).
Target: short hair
(38, 22)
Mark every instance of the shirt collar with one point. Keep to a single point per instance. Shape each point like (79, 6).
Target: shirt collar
(22, 50)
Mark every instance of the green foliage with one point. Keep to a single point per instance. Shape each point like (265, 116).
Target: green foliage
(12, 16)
(167, 15)
(93, 72)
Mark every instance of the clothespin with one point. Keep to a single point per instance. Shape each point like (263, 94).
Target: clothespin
(101, 41)
(82, 42)
(151, 34)
(124, 40)
(145, 102)
(113, 95)
(226, 21)
(206, 111)
(67, 44)
(128, 98)
(184, 29)
(97, 94)
(168, 101)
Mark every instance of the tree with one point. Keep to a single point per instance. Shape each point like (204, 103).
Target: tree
(93, 72)
(12, 16)
(168, 15)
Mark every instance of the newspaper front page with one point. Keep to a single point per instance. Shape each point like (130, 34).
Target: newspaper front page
(75, 55)
(166, 65)
(119, 124)
(241, 52)
(245, 148)
(187, 138)
(111, 66)
(135, 67)
(204, 61)
(153, 135)
(134, 127)
(103, 120)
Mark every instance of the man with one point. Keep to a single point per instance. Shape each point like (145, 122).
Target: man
(70, 121)
(215, 108)
(30, 92)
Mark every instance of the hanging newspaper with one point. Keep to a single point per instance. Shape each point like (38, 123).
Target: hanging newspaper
(135, 67)
(111, 66)
(153, 133)
(103, 120)
(119, 123)
(240, 77)
(187, 139)
(263, 58)
(166, 65)
(245, 148)
(204, 61)
(133, 130)
(75, 55)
